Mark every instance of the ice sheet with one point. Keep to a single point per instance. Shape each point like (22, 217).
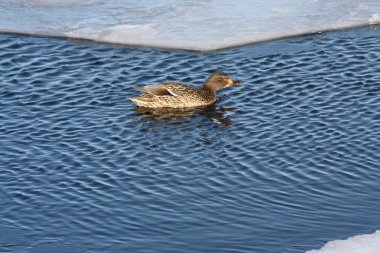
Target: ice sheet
(196, 25)
(368, 243)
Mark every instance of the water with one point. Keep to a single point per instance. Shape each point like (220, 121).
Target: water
(191, 24)
(284, 163)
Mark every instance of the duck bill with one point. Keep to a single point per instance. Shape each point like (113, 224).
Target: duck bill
(236, 83)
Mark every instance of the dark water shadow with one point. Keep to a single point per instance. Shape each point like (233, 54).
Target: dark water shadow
(169, 115)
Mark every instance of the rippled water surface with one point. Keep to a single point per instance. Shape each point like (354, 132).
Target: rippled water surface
(284, 163)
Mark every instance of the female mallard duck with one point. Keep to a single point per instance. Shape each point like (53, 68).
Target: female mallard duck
(178, 95)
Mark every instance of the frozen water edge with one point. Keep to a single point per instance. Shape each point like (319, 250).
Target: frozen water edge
(90, 35)
(191, 25)
(368, 243)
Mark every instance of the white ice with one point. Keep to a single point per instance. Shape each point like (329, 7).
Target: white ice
(191, 24)
(368, 243)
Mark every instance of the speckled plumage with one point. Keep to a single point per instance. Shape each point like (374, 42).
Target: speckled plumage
(178, 95)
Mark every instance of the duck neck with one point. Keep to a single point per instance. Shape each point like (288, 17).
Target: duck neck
(209, 87)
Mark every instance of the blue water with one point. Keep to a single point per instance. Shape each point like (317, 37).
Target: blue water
(284, 163)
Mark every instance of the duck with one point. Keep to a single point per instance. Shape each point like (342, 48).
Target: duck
(179, 95)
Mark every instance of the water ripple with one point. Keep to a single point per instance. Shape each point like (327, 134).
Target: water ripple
(284, 163)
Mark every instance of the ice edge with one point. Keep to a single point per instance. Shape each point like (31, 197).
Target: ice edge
(374, 21)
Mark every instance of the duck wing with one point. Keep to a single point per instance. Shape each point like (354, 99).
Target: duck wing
(158, 89)
(179, 89)
(168, 89)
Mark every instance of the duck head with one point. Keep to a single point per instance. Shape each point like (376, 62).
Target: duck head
(220, 80)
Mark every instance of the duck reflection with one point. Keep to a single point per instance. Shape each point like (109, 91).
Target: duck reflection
(170, 115)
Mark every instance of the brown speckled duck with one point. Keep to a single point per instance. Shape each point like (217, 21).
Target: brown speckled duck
(178, 95)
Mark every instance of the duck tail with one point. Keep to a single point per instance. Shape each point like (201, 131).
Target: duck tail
(134, 100)
(139, 102)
